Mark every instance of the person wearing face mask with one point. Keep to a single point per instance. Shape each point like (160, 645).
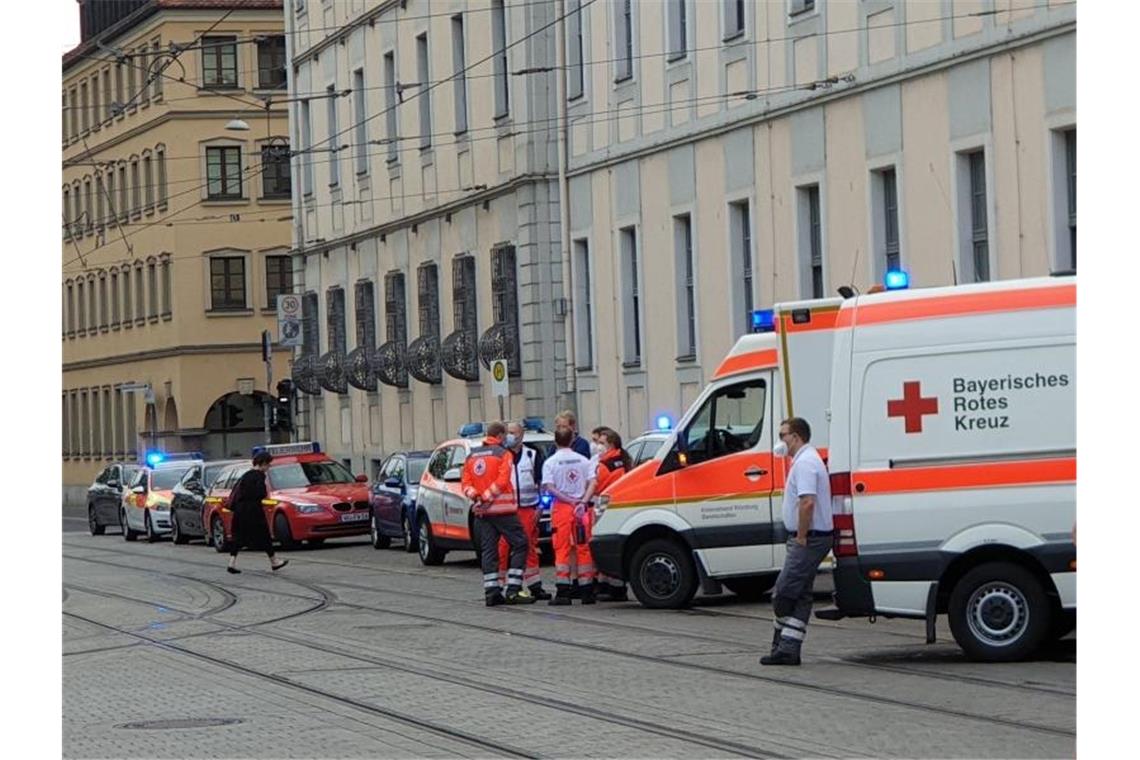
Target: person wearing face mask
(611, 464)
(525, 474)
(807, 519)
(597, 445)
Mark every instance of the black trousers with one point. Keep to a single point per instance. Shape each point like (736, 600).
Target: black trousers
(488, 530)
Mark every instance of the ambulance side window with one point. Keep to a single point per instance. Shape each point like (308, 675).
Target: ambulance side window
(731, 420)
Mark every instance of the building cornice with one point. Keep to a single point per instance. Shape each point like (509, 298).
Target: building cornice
(368, 19)
(163, 353)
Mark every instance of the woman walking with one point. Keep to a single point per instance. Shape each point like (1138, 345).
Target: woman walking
(248, 526)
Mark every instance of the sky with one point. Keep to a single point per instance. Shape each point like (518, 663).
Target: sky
(70, 37)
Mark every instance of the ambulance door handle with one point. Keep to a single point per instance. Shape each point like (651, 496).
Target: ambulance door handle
(754, 472)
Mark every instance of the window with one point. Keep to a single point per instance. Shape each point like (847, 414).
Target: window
(96, 108)
(128, 313)
(505, 299)
(92, 301)
(391, 118)
(890, 220)
(74, 113)
(119, 78)
(275, 178)
(334, 130)
(100, 193)
(108, 110)
(152, 289)
(583, 310)
(108, 428)
(68, 215)
(678, 29)
(102, 302)
(979, 237)
(140, 296)
(63, 117)
(66, 427)
(131, 86)
(227, 282)
(71, 308)
(148, 179)
(463, 300)
(428, 287)
(801, 6)
(278, 278)
(499, 48)
(686, 287)
(731, 420)
(114, 299)
(395, 309)
(223, 173)
(271, 63)
(84, 425)
(88, 207)
(310, 324)
(437, 465)
(740, 224)
(160, 153)
(459, 69)
(575, 51)
(361, 126)
(136, 189)
(811, 243)
(109, 193)
(145, 74)
(1071, 192)
(121, 474)
(84, 116)
(623, 43)
(424, 97)
(631, 297)
(73, 404)
(167, 275)
(306, 148)
(733, 18)
(335, 315)
(124, 199)
(219, 62)
(159, 71)
(365, 302)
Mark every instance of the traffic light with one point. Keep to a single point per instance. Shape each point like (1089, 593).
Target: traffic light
(282, 412)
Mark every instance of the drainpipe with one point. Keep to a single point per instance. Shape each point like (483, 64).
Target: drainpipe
(564, 204)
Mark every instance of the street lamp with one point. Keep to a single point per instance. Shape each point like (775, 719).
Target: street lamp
(237, 125)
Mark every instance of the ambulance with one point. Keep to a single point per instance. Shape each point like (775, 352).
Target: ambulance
(947, 418)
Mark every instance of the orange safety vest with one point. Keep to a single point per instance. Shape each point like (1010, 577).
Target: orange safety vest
(610, 469)
(487, 477)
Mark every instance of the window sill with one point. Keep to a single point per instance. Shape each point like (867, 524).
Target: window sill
(236, 312)
(262, 91)
(116, 327)
(268, 310)
(677, 57)
(734, 36)
(226, 202)
(623, 79)
(220, 89)
(140, 322)
(687, 359)
(153, 319)
(167, 317)
(277, 200)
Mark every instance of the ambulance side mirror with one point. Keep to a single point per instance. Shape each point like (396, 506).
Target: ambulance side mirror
(452, 476)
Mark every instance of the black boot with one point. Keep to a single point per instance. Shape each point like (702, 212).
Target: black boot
(609, 593)
(775, 641)
(495, 598)
(781, 657)
(588, 594)
(575, 589)
(562, 595)
(539, 593)
(519, 596)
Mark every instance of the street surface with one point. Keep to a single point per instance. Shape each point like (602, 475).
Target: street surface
(353, 652)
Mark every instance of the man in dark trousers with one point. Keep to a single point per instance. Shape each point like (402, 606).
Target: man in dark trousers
(807, 518)
(248, 525)
(486, 481)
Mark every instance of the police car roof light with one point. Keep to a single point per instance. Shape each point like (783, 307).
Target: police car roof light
(763, 320)
(664, 423)
(471, 429)
(896, 279)
(154, 458)
(285, 449)
(534, 424)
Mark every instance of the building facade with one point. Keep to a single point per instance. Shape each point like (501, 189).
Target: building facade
(642, 175)
(175, 230)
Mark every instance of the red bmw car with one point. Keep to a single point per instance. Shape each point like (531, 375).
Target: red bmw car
(311, 497)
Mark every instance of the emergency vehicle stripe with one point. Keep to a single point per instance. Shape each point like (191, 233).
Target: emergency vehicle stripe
(958, 305)
(957, 477)
(821, 319)
(745, 362)
(679, 502)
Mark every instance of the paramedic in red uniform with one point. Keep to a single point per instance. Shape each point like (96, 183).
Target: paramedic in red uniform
(486, 481)
(611, 465)
(807, 518)
(526, 472)
(568, 478)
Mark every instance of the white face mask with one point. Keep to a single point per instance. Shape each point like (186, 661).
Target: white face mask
(780, 449)
(597, 449)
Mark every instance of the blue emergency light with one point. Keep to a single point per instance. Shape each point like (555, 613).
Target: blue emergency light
(763, 320)
(471, 429)
(896, 279)
(664, 423)
(546, 499)
(155, 458)
(533, 424)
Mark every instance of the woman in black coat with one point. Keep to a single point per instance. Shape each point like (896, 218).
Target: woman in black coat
(248, 525)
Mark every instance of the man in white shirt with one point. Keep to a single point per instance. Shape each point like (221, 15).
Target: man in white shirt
(807, 519)
(567, 476)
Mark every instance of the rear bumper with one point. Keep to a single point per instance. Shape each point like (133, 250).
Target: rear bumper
(607, 552)
(853, 596)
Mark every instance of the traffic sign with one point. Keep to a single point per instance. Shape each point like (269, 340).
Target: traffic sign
(289, 320)
(499, 384)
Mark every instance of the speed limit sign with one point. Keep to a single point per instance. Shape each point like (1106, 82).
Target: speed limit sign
(289, 320)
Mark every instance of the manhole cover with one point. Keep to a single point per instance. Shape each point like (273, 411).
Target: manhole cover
(181, 723)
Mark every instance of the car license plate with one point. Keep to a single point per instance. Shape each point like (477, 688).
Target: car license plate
(356, 517)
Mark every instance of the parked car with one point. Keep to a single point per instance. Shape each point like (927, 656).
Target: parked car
(393, 499)
(311, 497)
(105, 496)
(146, 503)
(188, 498)
(645, 446)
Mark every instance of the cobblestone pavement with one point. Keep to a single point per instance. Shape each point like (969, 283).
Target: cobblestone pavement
(352, 652)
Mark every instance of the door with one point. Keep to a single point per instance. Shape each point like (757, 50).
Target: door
(387, 494)
(456, 507)
(432, 491)
(725, 488)
(189, 498)
(134, 502)
(106, 511)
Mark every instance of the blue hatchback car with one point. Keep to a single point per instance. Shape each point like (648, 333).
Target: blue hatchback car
(393, 499)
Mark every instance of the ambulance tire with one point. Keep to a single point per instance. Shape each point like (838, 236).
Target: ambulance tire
(999, 612)
(283, 533)
(430, 554)
(128, 533)
(752, 588)
(662, 575)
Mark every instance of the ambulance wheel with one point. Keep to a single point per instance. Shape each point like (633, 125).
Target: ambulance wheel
(93, 522)
(430, 554)
(999, 612)
(128, 534)
(218, 534)
(283, 533)
(752, 588)
(662, 575)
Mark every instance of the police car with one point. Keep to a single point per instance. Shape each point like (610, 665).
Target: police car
(311, 497)
(145, 508)
(644, 447)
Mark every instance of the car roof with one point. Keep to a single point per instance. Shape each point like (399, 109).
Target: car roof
(653, 435)
(222, 462)
(413, 454)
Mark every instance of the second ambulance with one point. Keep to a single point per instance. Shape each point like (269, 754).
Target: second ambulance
(947, 418)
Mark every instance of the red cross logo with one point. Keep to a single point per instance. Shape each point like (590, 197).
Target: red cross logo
(912, 406)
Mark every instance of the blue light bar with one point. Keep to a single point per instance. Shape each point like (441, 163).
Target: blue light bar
(664, 423)
(896, 279)
(154, 458)
(763, 320)
(471, 429)
(534, 424)
(286, 449)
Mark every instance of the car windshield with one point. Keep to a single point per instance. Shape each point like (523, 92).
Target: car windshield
(416, 469)
(651, 447)
(166, 478)
(303, 474)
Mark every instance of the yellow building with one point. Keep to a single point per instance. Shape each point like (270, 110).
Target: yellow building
(176, 231)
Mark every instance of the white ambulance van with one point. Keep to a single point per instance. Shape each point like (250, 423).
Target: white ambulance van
(953, 461)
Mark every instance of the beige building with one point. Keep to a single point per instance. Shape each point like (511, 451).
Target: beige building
(714, 156)
(175, 230)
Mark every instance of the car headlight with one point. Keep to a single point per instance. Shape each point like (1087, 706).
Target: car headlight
(600, 505)
(307, 509)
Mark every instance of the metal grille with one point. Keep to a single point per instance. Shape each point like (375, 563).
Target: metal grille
(338, 340)
(359, 370)
(427, 277)
(891, 219)
(305, 374)
(422, 360)
(389, 358)
(365, 310)
(389, 364)
(360, 506)
(331, 372)
(978, 220)
(459, 351)
(311, 326)
(504, 310)
(342, 506)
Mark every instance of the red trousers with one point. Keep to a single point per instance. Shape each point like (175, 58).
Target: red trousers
(528, 516)
(568, 549)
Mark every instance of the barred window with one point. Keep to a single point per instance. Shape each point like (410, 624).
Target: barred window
(505, 298)
(463, 293)
(310, 307)
(335, 315)
(428, 286)
(395, 309)
(365, 299)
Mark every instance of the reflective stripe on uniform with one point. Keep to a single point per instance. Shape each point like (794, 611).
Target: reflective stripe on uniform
(792, 633)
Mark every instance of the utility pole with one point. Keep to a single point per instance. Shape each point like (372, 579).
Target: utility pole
(267, 357)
